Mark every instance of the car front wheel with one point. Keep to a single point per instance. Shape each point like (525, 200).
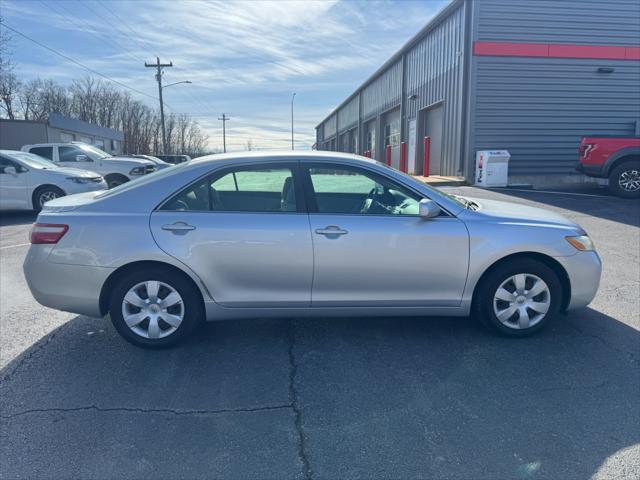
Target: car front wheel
(519, 298)
(44, 194)
(154, 308)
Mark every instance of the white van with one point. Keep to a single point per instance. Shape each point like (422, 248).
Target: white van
(115, 170)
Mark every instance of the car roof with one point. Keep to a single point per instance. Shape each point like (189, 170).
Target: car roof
(284, 155)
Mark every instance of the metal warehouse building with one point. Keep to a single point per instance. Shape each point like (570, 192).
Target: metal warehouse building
(530, 77)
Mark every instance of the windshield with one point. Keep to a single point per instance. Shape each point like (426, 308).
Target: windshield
(95, 152)
(454, 198)
(34, 161)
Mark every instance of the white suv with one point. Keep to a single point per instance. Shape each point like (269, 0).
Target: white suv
(115, 170)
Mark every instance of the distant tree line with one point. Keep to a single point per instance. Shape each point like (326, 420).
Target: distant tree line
(96, 101)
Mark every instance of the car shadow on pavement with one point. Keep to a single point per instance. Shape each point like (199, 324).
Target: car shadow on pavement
(17, 218)
(605, 206)
(335, 398)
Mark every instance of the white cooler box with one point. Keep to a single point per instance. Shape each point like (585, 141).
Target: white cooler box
(492, 168)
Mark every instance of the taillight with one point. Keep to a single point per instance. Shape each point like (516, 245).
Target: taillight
(47, 233)
(584, 149)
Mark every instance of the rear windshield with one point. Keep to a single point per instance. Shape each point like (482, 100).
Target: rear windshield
(143, 180)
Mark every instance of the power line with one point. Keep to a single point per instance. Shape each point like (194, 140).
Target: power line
(66, 57)
(71, 19)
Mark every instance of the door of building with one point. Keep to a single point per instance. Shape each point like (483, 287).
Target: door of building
(431, 125)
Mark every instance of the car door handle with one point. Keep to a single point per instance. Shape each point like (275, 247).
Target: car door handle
(331, 230)
(178, 227)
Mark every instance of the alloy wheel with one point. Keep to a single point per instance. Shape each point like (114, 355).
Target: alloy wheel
(629, 180)
(46, 196)
(153, 309)
(522, 301)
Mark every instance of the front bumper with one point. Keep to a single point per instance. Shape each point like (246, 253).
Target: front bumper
(584, 270)
(71, 288)
(71, 188)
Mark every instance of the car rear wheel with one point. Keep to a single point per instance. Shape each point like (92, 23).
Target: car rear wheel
(44, 194)
(519, 298)
(624, 180)
(154, 308)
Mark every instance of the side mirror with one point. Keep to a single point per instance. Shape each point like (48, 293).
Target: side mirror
(82, 158)
(428, 208)
(10, 170)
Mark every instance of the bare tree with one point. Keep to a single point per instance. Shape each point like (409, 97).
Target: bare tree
(9, 83)
(9, 88)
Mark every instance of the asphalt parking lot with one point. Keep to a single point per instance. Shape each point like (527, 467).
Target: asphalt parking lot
(340, 398)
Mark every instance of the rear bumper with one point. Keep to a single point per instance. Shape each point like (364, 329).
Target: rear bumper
(71, 288)
(591, 170)
(584, 270)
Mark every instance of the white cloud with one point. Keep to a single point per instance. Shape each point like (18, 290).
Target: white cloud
(243, 57)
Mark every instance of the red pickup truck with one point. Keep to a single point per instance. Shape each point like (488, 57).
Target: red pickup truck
(615, 158)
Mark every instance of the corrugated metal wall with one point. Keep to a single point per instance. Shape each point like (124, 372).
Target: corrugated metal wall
(434, 69)
(538, 108)
(348, 115)
(383, 93)
(586, 22)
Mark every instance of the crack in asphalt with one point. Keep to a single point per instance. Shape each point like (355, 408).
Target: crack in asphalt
(147, 410)
(293, 397)
(625, 353)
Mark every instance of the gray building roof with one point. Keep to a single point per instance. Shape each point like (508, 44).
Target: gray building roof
(65, 123)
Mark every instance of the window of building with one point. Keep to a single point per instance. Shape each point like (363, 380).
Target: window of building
(114, 145)
(351, 190)
(98, 142)
(67, 137)
(371, 140)
(240, 190)
(86, 140)
(46, 152)
(392, 133)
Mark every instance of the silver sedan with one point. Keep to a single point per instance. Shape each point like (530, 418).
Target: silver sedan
(301, 234)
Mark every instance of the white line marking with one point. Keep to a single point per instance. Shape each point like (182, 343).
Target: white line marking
(548, 191)
(14, 246)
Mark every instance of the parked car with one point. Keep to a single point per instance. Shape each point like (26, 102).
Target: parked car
(28, 181)
(302, 234)
(160, 164)
(616, 158)
(175, 159)
(115, 170)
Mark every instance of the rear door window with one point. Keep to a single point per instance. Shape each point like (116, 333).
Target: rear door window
(258, 189)
(46, 152)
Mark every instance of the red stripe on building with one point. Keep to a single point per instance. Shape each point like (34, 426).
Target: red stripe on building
(555, 50)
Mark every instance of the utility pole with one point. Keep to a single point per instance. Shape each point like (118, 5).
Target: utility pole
(292, 97)
(159, 66)
(224, 119)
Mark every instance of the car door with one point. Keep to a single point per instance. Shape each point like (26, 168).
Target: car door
(372, 249)
(245, 231)
(13, 186)
(74, 157)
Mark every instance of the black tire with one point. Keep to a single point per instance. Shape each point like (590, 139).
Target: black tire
(486, 293)
(626, 170)
(193, 312)
(45, 193)
(115, 179)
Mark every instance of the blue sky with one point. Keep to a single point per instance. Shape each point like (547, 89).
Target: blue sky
(244, 58)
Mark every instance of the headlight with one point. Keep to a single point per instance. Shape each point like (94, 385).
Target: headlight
(85, 179)
(581, 242)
